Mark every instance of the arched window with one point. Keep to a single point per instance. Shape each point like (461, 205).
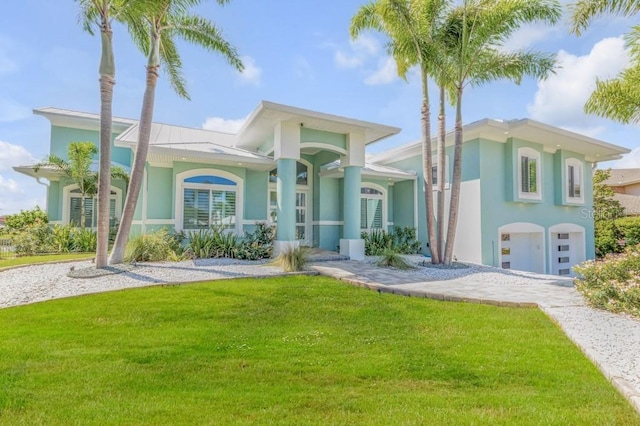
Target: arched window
(208, 198)
(372, 207)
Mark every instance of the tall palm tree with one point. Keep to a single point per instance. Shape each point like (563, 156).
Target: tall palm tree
(100, 14)
(618, 98)
(155, 35)
(474, 35)
(410, 26)
(78, 169)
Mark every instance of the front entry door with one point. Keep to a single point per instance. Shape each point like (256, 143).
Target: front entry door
(303, 216)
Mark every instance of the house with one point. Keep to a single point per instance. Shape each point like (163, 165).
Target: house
(626, 185)
(526, 191)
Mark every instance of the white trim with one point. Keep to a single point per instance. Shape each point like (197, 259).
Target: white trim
(324, 146)
(389, 224)
(155, 222)
(180, 185)
(530, 153)
(55, 222)
(580, 167)
(382, 197)
(415, 205)
(328, 222)
(66, 199)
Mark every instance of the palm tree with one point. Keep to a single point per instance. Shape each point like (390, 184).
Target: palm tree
(474, 34)
(99, 14)
(78, 169)
(410, 26)
(164, 21)
(619, 98)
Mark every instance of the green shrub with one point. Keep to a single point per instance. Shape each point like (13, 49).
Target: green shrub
(257, 244)
(25, 219)
(612, 236)
(401, 240)
(293, 260)
(218, 242)
(393, 259)
(612, 283)
(152, 247)
(62, 238)
(84, 240)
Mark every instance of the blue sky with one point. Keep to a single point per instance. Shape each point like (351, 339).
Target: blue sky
(297, 53)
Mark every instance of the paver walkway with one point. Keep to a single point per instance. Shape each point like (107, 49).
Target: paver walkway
(611, 341)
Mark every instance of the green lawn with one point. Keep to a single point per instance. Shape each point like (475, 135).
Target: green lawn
(292, 350)
(6, 262)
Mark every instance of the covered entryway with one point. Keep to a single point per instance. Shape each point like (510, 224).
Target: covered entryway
(521, 247)
(567, 248)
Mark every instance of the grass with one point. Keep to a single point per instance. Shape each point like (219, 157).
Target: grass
(6, 262)
(292, 350)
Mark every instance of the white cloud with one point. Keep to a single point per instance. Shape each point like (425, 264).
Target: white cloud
(220, 124)
(252, 74)
(14, 155)
(12, 111)
(361, 49)
(560, 98)
(21, 193)
(386, 73)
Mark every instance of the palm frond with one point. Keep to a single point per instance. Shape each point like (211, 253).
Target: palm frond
(55, 162)
(497, 65)
(617, 99)
(583, 12)
(172, 65)
(202, 32)
(119, 173)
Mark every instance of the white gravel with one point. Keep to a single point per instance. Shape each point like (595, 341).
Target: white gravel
(44, 282)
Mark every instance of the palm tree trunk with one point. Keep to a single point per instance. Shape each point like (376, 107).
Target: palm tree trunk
(427, 167)
(455, 182)
(441, 171)
(137, 172)
(82, 212)
(107, 81)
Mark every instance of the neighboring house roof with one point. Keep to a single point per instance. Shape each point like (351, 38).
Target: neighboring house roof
(630, 203)
(370, 170)
(623, 177)
(552, 138)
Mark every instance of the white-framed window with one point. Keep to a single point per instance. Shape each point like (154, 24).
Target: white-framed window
(434, 174)
(372, 207)
(574, 180)
(208, 197)
(529, 174)
(72, 207)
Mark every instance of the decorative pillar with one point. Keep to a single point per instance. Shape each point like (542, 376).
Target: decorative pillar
(351, 244)
(286, 153)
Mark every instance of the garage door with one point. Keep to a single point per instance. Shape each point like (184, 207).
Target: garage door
(522, 251)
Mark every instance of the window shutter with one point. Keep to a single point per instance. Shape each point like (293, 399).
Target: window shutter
(533, 175)
(363, 213)
(196, 209)
(223, 208)
(524, 171)
(377, 217)
(571, 177)
(74, 211)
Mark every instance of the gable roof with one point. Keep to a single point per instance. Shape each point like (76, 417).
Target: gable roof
(623, 177)
(550, 137)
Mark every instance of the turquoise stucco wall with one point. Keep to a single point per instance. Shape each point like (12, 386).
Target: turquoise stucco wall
(497, 210)
(160, 193)
(329, 138)
(62, 136)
